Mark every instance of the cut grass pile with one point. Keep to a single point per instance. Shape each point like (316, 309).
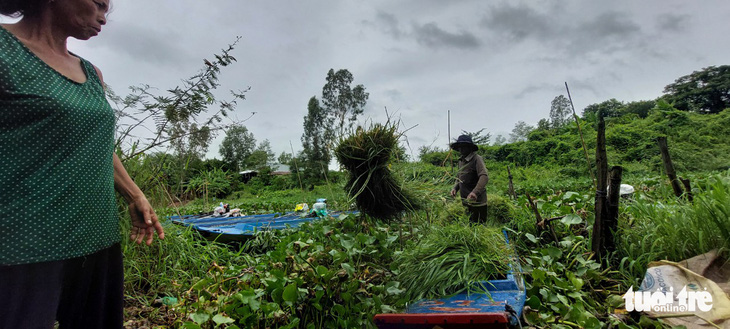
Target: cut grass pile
(450, 259)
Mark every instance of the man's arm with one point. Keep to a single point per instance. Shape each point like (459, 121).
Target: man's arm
(483, 176)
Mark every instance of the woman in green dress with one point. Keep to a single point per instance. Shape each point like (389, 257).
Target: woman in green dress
(60, 255)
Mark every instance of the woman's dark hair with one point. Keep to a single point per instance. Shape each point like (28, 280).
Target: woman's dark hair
(17, 8)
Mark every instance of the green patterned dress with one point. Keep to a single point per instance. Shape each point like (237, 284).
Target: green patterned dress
(57, 197)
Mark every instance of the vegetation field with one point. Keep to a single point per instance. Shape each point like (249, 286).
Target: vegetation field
(339, 272)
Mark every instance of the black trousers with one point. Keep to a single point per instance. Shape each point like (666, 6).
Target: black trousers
(477, 214)
(83, 292)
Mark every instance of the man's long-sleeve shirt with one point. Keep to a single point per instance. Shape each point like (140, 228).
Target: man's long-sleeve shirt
(472, 177)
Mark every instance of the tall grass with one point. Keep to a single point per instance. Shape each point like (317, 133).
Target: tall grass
(676, 230)
(173, 264)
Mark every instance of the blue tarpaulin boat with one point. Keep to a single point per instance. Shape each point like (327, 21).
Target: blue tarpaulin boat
(500, 308)
(226, 229)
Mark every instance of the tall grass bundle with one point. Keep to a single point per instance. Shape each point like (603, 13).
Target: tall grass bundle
(366, 155)
(451, 259)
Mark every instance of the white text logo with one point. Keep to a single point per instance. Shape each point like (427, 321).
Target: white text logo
(659, 301)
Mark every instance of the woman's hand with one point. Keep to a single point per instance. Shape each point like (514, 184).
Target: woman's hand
(144, 222)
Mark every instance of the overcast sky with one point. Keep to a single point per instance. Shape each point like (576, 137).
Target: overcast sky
(491, 63)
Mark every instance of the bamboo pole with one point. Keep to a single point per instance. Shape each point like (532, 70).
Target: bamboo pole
(580, 131)
(669, 167)
(294, 158)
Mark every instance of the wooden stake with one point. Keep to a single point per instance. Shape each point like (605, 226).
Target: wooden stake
(610, 221)
(541, 223)
(687, 188)
(511, 187)
(602, 176)
(669, 167)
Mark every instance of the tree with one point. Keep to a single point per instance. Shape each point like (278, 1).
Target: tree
(185, 118)
(543, 125)
(285, 158)
(606, 109)
(180, 118)
(560, 112)
(500, 140)
(316, 154)
(237, 146)
(188, 139)
(342, 102)
(640, 108)
(705, 91)
(262, 157)
(477, 136)
(520, 132)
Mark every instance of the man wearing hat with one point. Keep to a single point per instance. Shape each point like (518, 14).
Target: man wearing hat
(471, 180)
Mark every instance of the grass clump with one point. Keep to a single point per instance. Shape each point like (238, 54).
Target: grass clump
(676, 230)
(366, 155)
(450, 259)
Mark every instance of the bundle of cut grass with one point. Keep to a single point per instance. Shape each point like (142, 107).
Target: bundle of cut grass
(452, 259)
(366, 155)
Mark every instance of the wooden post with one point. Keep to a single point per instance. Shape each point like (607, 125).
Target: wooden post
(541, 223)
(511, 187)
(601, 178)
(610, 223)
(669, 167)
(687, 188)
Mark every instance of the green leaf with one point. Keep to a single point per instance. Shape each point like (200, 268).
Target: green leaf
(538, 274)
(200, 318)
(347, 243)
(348, 268)
(190, 325)
(200, 285)
(553, 252)
(531, 237)
(571, 219)
(392, 288)
(570, 195)
(290, 293)
(533, 302)
(615, 301)
(222, 319)
(563, 300)
(592, 323)
(339, 309)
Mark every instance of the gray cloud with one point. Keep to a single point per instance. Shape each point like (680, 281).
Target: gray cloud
(563, 35)
(393, 94)
(145, 44)
(518, 23)
(673, 23)
(531, 89)
(389, 24)
(428, 34)
(433, 36)
(609, 25)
